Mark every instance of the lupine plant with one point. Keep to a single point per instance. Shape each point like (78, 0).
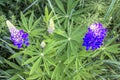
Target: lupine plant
(59, 40)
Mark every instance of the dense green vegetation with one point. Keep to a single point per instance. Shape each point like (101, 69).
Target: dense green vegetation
(59, 54)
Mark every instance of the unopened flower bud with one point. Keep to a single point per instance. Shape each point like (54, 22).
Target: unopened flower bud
(51, 27)
(43, 44)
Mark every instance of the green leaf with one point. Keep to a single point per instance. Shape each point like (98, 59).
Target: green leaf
(50, 60)
(73, 46)
(78, 12)
(46, 18)
(68, 50)
(13, 65)
(35, 24)
(36, 32)
(77, 34)
(60, 34)
(61, 48)
(49, 47)
(110, 8)
(109, 55)
(20, 76)
(14, 77)
(96, 53)
(15, 55)
(11, 71)
(35, 66)
(111, 40)
(57, 71)
(60, 5)
(34, 77)
(69, 63)
(112, 62)
(114, 48)
(31, 60)
(24, 22)
(71, 5)
(31, 20)
(46, 67)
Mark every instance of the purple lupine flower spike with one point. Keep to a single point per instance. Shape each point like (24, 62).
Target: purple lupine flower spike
(18, 37)
(95, 36)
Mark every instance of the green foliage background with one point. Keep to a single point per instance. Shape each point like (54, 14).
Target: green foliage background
(63, 57)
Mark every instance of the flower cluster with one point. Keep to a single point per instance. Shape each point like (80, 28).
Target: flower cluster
(95, 36)
(18, 37)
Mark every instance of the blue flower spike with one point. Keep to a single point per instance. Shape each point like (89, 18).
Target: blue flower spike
(93, 39)
(18, 37)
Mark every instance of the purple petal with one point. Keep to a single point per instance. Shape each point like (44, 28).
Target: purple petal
(25, 35)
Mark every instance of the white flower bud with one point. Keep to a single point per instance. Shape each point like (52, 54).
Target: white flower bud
(11, 27)
(51, 27)
(43, 44)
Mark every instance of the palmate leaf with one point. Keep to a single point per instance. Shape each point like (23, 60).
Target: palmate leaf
(30, 24)
(70, 40)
